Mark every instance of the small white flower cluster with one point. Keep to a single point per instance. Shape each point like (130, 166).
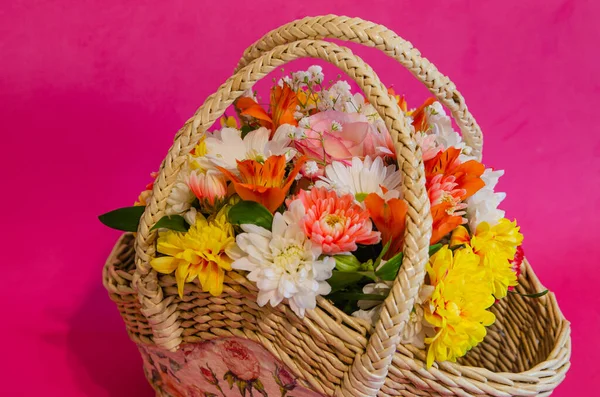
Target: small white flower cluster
(304, 79)
(338, 97)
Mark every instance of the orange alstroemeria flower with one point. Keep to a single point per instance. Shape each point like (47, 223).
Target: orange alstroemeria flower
(419, 116)
(265, 182)
(400, 99)
(443, 221)
(467, 174)
(283, 106)
(390, 219)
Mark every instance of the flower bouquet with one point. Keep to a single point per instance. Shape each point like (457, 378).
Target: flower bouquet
(303, 199)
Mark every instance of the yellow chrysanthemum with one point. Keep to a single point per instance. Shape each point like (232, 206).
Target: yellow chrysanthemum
(458, 306)
(496, 245)
(201, 252)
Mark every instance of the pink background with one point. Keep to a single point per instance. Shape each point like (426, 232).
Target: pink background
(92, 92)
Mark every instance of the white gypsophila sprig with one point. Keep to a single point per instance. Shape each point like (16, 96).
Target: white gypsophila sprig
(362, 177)
(337, 97)
(284, 263)
(303, 78)
(483, 205)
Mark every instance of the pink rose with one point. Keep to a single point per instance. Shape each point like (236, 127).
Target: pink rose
(338, 136)
(240, 361)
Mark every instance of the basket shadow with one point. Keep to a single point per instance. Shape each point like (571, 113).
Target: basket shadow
(102, 358)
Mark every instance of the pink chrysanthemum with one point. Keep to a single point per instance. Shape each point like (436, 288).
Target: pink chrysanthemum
(444, 189)
(335, 223)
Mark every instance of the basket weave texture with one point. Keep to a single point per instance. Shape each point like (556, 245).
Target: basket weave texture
(526, 351)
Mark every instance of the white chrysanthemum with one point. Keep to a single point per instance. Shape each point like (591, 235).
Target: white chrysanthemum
(225, 148)
(361, 178)
(445, 136)
(483, 205)
(284, 263)
(416, 329)
(181, 196)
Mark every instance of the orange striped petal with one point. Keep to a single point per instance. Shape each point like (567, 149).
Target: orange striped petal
(270, 197)
(441, 162)
(249, 107)
(468, 177)
(443, 223)
(390, 219)
(273, 171)
(419, 117)
(283, 106)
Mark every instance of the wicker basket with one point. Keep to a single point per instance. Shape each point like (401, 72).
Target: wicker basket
(526, 351)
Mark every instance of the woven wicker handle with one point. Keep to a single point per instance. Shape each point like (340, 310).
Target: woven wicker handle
(373, 35)
(370, 369)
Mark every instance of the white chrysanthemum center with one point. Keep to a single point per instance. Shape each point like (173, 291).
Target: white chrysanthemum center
(290, 258)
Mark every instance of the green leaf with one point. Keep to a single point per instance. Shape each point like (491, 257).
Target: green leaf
(435, 248)
(355, 296)
(246, 129)
(390, 269)
(251, 212)
(172, 222)
(360, 197)
(536, 295)
(126, 219)
(340, 280)
(229, 378)
(384, 251)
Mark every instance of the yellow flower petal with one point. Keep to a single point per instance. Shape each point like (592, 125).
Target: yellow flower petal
(458, 306)
(201, 252)
(180, 276)
(460, 236)
(164, 264)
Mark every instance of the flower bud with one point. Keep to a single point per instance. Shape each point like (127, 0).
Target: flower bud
(346, 263)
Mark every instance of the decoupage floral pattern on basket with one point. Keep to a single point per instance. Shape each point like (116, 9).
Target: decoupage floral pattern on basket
(226, 367)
